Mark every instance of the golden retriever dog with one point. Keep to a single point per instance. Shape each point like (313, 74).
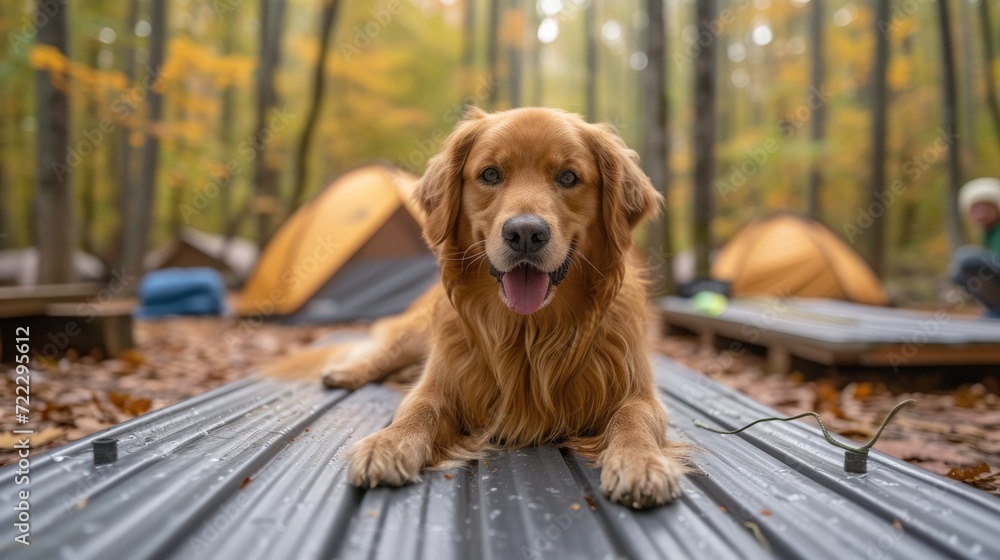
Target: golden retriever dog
(537, 331)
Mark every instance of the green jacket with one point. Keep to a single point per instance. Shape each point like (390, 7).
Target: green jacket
(993, 239)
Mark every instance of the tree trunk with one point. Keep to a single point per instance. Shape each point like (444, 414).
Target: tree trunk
(704, 141)
(226, 133)
(953, 222)
(265, 175)
(327, 19)
(590, 45)
(819, 114)
(54, 230)
(88, 176)
(123, 160)
(659, 245)
(515, 52)
(968, 88)
(876, 234)
(989, 74)
(141, 211)
(493, 52)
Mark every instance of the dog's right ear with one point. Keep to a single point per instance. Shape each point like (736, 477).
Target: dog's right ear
(439, 191)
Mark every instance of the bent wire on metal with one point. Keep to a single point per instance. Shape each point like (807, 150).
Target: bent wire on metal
(855, 458)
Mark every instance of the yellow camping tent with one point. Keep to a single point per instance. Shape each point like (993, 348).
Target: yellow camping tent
(359, 229)
(789, 255)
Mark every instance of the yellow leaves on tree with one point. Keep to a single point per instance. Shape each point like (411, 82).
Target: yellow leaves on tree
(62, 70)
(186, 57)
(899, 74)
(305, 48)
(185, 60)
(49, 58)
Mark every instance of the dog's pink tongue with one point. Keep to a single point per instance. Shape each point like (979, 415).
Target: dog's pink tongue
(525, 287)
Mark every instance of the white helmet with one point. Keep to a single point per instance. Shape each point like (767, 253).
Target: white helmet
(983, 189)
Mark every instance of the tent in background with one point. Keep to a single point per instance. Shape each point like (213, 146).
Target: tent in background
(790, 255)
(352, 253)
(233, 258)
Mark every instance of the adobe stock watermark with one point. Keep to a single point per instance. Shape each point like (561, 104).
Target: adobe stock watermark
(25, 33)
(917, 339)
(661, 260)
(223, 519)
(542, 540)
(248, 151)
(922, 503)
(707, 32)
(758, 157)
(431, 145)
(568, 10)
(957, 297)
(912, 169)
(752, 332)
(290, 279)
(363, 35)
(902, 10)
(76, 498)
(223, 7)
(121, 108)
(986, 266)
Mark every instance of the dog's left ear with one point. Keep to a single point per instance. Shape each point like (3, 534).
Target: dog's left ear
(627, 196)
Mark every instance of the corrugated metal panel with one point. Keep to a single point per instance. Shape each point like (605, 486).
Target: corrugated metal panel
(180, 490)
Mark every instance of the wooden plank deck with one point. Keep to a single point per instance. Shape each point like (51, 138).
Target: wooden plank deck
(20, 301)
(837, 333)
(64, 317)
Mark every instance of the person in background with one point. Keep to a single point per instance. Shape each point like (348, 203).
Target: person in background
(977, 269)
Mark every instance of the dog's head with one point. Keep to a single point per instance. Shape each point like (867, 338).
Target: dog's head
(532, 191)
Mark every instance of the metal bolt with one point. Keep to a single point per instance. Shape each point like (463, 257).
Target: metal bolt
(855, 462)
(105, 451)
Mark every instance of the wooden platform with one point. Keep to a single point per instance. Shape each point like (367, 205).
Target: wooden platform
(66, 317)
(19, 301)
(836, 333)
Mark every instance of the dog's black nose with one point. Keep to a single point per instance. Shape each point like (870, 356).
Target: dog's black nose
(526, 233)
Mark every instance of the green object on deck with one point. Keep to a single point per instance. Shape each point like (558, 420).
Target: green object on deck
(709, 303)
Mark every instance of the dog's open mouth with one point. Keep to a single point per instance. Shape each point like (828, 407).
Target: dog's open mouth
(526, 287)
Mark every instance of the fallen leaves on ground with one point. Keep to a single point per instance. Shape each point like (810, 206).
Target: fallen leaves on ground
(964, 475)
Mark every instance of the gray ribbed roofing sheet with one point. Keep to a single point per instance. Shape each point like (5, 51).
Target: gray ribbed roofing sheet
(842, 322)
(255, 469)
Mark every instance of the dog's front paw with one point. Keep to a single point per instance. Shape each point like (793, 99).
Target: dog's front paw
(640, 481)
(386, 457)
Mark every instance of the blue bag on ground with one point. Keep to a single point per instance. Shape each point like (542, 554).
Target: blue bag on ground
(181, 291)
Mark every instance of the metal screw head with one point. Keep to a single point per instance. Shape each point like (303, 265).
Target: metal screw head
(855, 462)
(105, 451)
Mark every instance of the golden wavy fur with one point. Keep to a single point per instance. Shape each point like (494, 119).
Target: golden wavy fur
(574, 371)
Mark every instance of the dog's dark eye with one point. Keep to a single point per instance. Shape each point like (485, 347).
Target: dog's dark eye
(490, 176)
(567, 179)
